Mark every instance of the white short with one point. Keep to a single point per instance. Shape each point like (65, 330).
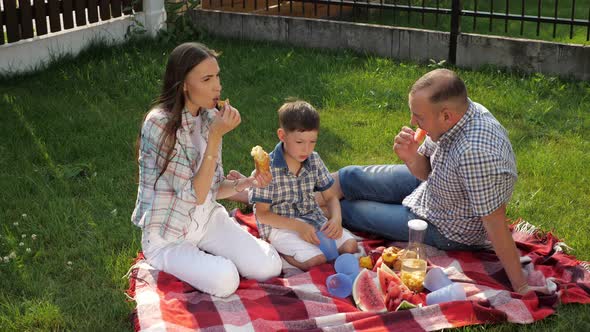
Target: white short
(289, 243)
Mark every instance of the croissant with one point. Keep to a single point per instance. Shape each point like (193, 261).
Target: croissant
(261, 159)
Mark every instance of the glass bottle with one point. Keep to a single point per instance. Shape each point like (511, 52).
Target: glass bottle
(413, 268)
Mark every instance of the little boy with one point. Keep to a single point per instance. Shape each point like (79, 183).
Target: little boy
(287, 214)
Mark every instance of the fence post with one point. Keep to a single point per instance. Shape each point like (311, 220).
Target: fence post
(455, 30)
(155, 16)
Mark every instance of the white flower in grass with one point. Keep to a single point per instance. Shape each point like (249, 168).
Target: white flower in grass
(24, 215)
(6, 259)
(23, 236)
(12, 255)
(69, 263)
(114, 213)
(34, 236)
(21, 244)
(28, 250)
(15, 223)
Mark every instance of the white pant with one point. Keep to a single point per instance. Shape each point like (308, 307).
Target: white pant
(223, 252)
(289, 243)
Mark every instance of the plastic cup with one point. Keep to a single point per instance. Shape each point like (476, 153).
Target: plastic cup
(347, 264)
(339, 285)
(436, 279)
(327, 246)
(452, 292)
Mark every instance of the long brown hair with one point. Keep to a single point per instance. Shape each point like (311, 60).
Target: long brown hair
(172, 99)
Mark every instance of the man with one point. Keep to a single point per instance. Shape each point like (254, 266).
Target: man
(459, 180)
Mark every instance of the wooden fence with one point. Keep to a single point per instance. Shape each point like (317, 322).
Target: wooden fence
(22, 19)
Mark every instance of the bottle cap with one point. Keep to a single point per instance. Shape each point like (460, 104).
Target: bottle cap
(417, 224)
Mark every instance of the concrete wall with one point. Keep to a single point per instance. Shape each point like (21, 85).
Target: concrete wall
(565, 60)
(473, 51)
(32, 53)
(406, 44)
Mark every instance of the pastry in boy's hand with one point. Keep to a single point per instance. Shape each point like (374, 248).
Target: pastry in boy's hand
(261, 159)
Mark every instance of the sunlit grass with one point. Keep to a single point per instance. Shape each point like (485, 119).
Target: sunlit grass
(67, 160)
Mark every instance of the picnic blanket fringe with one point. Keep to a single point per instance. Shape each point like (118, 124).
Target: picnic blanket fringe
(131, 275)
(523, 226)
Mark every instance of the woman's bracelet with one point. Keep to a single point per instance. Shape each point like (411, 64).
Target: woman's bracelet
(236, 182)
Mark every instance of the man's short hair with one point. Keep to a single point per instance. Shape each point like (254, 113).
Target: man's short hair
(298, 116)
(444, 85)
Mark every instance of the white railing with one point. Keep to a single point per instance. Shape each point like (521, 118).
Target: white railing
(32, 53)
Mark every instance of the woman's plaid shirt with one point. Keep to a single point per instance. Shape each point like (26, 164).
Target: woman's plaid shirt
(171, 207)
(473, 174)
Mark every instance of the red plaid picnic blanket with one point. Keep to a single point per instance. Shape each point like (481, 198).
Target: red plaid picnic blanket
(300, 301)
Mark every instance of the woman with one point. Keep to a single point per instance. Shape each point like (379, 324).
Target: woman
(185, 231)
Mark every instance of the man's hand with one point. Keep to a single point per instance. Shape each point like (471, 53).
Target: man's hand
(405, 146)
(505, 248)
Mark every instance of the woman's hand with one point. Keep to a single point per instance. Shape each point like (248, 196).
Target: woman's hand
(259, 180)
(234, 175)
(225, 120)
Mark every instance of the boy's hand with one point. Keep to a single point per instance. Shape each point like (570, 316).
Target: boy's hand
(333, 229)
(307, 233)
(261, 179)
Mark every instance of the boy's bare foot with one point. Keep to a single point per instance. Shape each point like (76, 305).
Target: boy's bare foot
(305, 266)
(349, 246)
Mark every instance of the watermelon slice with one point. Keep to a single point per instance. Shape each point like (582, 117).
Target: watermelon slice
(387, 276)
(419, 135)
(387, 269)
(366, 294)
(385, 279)
(405, 305)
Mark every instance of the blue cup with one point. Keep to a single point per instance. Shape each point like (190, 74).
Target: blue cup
(436, 279)
(327, 246)
(339, 285)
(347, 264)
(452, 292)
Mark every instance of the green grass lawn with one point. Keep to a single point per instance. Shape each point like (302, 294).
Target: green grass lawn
(68, 171)
(484, 26)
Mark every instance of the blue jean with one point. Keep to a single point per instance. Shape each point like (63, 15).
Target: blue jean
(372, 203)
